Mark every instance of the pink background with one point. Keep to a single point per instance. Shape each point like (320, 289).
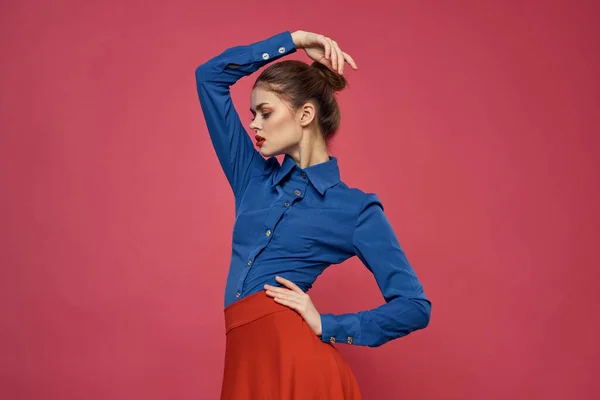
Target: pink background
(475, 122)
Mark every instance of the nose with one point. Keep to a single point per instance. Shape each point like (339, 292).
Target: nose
(253, 125)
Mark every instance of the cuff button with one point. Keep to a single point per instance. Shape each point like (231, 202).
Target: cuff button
(349, 340)
(265, 56)
(332, 340)
(281, 50)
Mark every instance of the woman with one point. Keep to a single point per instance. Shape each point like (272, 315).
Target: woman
(294, 220)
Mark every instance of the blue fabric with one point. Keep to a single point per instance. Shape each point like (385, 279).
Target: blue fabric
(296, 222)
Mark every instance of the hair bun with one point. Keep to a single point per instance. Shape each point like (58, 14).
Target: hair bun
(333, 79)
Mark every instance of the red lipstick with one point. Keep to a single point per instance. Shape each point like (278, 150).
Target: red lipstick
(259, 140)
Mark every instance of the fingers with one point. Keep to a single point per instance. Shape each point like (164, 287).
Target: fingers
(339, 58)
(334, 54)
(283, 294)
(326, 45)
(292, 291)
(289, 284)
(289, 303)
(350, 60)
(278, 290)
(293, 297)
(288, 298)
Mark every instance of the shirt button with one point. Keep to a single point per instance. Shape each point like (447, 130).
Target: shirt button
(249, 262)
(281, 50)
(237, 294)
(287, 204)
(349, 340)
(265, 56)
(332, 340)
(297, 192)
(304, 175)
(268, 233)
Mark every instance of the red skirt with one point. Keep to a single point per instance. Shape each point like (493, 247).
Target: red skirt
(272, 354)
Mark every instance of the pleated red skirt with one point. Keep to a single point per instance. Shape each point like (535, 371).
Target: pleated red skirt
(272, 354)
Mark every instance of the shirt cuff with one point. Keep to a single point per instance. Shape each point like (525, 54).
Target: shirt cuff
(340, 329)
(274, 47)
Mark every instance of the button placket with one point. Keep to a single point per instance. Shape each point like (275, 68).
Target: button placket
(289, 191)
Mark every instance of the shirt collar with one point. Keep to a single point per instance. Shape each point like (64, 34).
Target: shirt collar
(322, 175)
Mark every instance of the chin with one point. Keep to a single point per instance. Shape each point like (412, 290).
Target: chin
(264, 153)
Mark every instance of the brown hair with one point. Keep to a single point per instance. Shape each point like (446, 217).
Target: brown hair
(296, 82)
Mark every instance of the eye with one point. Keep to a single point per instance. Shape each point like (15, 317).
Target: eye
(265, 116)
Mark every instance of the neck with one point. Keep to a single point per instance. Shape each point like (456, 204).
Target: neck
(310, 152)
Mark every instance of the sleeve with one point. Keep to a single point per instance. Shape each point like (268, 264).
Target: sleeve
(406, 308)
(235, 150)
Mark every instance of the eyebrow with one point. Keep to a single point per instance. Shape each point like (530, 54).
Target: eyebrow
(258, 107)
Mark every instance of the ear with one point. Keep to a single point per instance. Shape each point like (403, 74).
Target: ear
(308, 113)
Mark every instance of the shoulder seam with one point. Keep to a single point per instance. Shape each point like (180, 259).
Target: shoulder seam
(360, 208)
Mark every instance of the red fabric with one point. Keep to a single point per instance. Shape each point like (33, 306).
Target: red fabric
(272, 354)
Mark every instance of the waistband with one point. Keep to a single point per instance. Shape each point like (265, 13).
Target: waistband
(251, 308)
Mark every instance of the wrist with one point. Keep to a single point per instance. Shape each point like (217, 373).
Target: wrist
(320, 329)
(296, 39)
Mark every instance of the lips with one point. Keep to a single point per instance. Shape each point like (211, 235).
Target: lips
(259, 140)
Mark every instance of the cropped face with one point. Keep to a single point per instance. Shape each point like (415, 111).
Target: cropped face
(275, 125)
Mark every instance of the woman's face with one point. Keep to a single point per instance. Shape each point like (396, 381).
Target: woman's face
(274, 122)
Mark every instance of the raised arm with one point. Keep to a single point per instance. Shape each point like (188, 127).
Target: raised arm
(406, 308)
(236, 153)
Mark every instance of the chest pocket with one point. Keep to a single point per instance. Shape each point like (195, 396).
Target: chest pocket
(295, 233)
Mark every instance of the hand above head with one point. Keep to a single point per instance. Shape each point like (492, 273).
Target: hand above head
(323, 49)
(294, 298)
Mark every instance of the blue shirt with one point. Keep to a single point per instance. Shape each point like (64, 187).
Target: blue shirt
(296, 222)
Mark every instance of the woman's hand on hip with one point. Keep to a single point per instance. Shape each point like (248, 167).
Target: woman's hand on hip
(294, 298)
(322, 49)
